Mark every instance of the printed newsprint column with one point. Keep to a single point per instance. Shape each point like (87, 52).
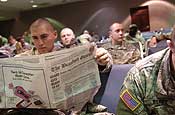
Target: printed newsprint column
(63, 79)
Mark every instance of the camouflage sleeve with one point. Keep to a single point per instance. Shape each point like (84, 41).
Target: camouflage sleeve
(131, 95)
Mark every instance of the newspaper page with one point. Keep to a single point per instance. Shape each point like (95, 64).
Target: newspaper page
(64, 79)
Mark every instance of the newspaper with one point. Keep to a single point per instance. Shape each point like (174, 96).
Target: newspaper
(64, 79)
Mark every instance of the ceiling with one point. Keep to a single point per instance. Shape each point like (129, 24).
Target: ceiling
(11, 8)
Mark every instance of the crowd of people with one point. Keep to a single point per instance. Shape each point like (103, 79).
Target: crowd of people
(148, 88)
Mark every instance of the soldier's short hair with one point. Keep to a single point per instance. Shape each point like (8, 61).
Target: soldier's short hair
(40, 22)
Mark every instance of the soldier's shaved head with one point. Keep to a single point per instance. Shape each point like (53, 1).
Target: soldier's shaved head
(67, 36)
(40, 22)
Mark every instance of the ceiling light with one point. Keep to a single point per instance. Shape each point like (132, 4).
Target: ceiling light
(34, 6)
(31, 1)
(4, 0)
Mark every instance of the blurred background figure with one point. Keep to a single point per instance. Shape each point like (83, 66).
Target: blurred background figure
(67, 38)
(25, 45)
(12, 48)
(85, 37)
(152, 42)
(134, 36)
(3, 41)
(27, 37)
(156, 43)
(95, 36)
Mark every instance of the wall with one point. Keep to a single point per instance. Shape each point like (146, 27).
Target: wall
(95, 15)
(6, 27)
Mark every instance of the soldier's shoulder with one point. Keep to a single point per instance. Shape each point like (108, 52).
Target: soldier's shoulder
(150, 60)
(105, 45)
(26, 53)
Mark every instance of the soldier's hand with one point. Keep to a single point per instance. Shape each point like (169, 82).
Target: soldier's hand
(102, 56)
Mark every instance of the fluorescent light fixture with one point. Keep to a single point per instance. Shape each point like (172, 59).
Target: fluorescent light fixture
(4, 0)
(34, 6)
(31, 1)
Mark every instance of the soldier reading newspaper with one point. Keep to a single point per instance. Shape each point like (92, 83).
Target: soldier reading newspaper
(62, 79)
(50, 81)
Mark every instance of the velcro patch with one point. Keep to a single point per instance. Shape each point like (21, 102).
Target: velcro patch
(129, 100)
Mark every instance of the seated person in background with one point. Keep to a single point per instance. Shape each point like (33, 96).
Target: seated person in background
(3, 41)
(150, 43)
(3, 53)
(67, 38)
(95, 37)
(121, 51)
(24, 44)
(153, 41)
(149, 87)
(85, 37)
(11, 46)
(43, 35)
(134, 37)
(27, 37)
(156, 44)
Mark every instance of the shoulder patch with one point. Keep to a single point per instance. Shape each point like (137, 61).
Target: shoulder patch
(129, 100)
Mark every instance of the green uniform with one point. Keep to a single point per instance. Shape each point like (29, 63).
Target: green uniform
(123, 54)
(28, 39)
(138, 38)
(4, 41)
(149, 87)
(138, 41)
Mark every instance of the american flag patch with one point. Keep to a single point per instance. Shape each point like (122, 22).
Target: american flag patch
(129, 100)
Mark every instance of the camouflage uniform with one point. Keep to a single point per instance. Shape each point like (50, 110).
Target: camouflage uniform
(149, 88)
(138, 38)
(125, 54)
(137, 41)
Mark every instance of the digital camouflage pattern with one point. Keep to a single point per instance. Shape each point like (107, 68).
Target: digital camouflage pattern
(137, 41)
(125, 54)
(149, 87)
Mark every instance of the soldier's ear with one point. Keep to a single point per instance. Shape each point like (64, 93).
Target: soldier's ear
(73, 35)
(55, 34)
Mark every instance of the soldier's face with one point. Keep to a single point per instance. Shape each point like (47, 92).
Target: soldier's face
(67, 36)
(43, 38)
(117, 32)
